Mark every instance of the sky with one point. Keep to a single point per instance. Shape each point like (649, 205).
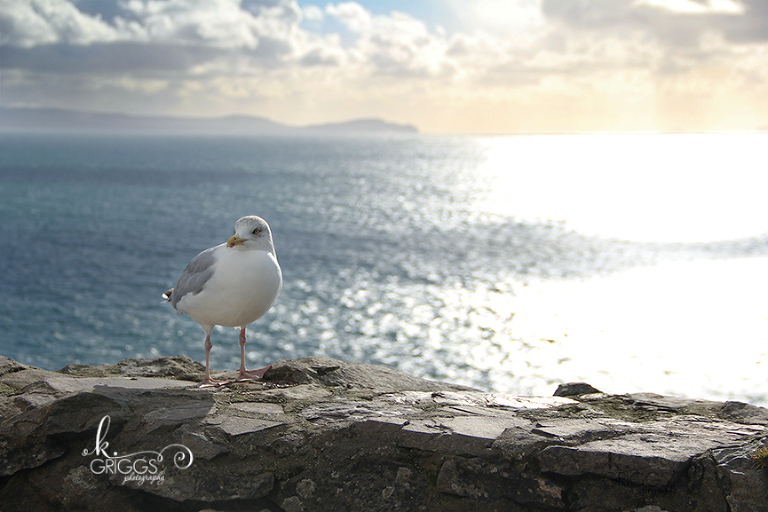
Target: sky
(451, 66)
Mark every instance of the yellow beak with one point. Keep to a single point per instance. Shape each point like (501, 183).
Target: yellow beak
(235, 240)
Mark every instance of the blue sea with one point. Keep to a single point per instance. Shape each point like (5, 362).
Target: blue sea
(507, 263)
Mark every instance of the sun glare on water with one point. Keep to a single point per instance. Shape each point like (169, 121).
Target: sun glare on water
(648, 188)
(695, 328)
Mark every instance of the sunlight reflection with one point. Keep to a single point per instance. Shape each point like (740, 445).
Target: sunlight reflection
(691, 188)
(715, 327)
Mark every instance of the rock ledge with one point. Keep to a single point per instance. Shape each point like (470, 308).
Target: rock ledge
(322, 435)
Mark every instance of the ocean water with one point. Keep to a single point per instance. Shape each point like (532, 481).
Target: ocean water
(633, 262)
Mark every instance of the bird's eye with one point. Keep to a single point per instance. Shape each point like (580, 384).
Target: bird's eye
(256, 231)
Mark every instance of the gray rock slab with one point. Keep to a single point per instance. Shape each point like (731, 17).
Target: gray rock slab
(70, 385)
(184, 412)
(582, 429)
(353, 411)
(479, 480)
(301, 392)
(744, 413)
(177, 367)
(747, 484)
(465, 435)
(643, 459)
(258, 407)
(237, 426)
(60, 383)
(328, 435)
(34, 400)
(333, 373)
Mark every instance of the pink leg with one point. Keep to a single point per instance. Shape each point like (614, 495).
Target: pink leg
(246, 374)
(208, 382)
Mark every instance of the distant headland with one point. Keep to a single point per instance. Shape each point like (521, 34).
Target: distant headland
(39, 120)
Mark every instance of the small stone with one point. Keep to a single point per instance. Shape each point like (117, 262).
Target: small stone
(404, 476)
(575, 389)
(306, 488)
(292, 504)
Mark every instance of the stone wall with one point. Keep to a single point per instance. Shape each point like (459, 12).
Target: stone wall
(324, 435)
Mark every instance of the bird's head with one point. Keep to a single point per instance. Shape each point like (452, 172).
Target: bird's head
(251, 232)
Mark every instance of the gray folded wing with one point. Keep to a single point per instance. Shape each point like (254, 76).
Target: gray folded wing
(194, 277)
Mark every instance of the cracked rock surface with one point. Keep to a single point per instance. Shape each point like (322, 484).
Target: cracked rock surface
(320, 434)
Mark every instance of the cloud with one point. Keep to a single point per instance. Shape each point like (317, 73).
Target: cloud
(695, 7)
(176, 35)
(674, 22)
(31, 23)
(107, 58)
(519, 64)
(752, 26)
(313, 13)
(353, 15)
(399, 45)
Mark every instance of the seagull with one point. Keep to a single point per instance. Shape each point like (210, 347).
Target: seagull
(232, 285)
